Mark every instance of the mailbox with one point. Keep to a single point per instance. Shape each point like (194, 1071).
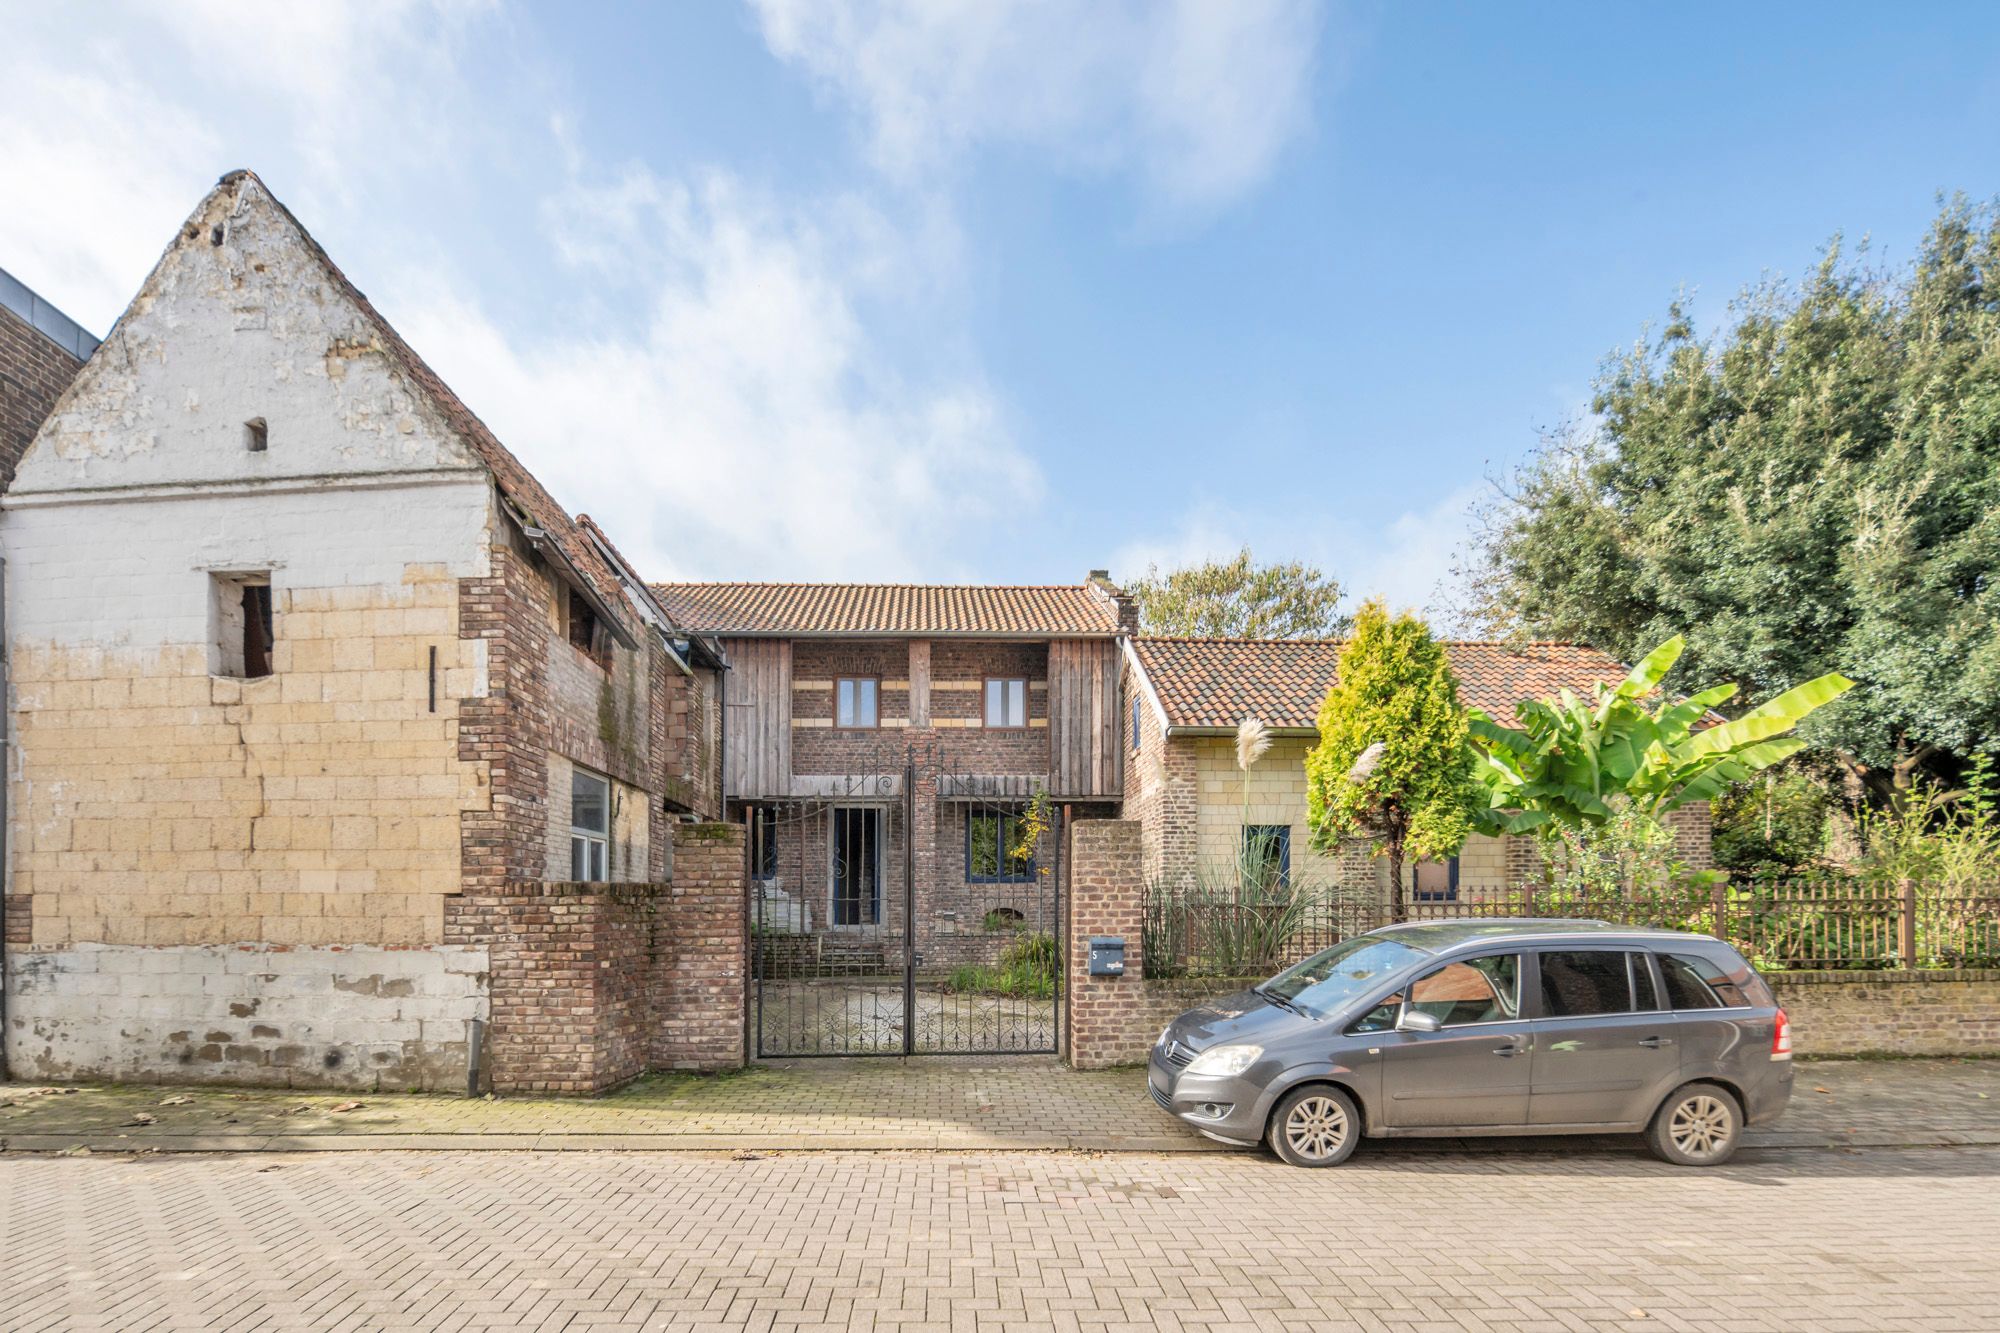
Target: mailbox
(1107, 956)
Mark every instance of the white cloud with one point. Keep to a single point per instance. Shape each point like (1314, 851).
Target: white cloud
(1197, 99)
(750, 429)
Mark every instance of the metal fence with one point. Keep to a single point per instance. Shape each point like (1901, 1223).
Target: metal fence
(1779, 924)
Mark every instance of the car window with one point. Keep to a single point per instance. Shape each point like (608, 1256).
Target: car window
(1336, 977)
(1471, 990)
(1580, 982)
(1645, 996)
(1695, 982)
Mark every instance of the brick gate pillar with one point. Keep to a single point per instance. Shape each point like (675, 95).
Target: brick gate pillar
(702, 977)
(1107, 1016)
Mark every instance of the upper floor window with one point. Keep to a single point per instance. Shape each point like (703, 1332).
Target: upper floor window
(994, 853)
(1007, 702)
(589, 827)
(581, 628)
(1135, 726)
(244, 634)
(854, 699)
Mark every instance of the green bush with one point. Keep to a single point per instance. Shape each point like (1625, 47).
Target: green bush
(1774, 826)
(1027, 970)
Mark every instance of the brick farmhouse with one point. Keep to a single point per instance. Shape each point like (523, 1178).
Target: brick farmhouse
(344, 755)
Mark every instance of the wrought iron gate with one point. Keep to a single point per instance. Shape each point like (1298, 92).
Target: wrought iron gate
(924, 920)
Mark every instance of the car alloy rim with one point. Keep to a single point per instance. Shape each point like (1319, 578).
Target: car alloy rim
(1700, 1126)
(1317, 1127)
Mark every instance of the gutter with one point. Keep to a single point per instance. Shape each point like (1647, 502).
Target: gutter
(547, 546)
(1146, 684)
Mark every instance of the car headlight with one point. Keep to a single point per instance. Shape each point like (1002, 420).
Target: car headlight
(1225, 1061)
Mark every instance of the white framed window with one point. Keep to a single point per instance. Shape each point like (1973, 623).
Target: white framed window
(589, 827)
(1007, 702)
(854, 702)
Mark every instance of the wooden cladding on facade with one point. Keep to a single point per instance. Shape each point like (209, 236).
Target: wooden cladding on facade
(757, 742)
(1085, 757)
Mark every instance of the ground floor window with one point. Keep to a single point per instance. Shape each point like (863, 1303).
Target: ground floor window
(1436, 881)
(994, 853)
(1267, 853)
(589, 827)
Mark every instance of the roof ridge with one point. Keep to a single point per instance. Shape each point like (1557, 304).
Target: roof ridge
(780, 583)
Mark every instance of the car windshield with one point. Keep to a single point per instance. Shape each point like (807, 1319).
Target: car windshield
(1332, 977)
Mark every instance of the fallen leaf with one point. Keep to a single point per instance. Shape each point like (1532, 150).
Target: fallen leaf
(302, 1106)
(347, 1106)
(745, 1155)
(75, 1150)
(178, 1099)
(1828, 1091)
(141, 1118)
(1635, 1314)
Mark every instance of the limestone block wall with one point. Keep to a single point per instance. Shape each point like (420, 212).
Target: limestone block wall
(359, 1017)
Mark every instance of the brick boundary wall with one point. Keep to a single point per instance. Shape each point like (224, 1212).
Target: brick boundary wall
(701, 971)
(1114, 1021)
(1106, 1015)
(1892, 1013)
(595, 984)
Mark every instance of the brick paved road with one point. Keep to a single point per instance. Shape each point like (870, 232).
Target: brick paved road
(1828, 1241)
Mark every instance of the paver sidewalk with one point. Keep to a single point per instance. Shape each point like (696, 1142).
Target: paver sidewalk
(876, 1104)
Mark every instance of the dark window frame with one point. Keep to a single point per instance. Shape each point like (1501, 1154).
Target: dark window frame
(874, 684)
(1450, 894)
(1283, 841)
(1028, 872)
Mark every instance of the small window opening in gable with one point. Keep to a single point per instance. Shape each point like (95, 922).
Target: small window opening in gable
(582, 629)
(245, 638)
(256, 435)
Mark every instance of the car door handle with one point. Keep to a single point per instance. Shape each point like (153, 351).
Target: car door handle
(1508, 1050)
(1655, 1043)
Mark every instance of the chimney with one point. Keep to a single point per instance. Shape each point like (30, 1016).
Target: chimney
(1120, 601)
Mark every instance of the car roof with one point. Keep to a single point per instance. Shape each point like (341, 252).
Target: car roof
(1438, 936)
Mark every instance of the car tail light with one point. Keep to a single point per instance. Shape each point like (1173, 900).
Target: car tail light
(1781, 1038)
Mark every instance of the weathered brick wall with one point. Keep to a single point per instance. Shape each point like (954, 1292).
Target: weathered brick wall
(699, 988)
(571, 984)
(33, 373)
(1892, 1013)
(1107, 1016)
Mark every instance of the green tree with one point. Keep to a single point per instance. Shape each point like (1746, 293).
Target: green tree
(1391, 758)
(1240, 598)
(1818, 484)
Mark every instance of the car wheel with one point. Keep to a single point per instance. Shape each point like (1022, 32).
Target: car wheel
(1315, 1126)
(1700, 1125)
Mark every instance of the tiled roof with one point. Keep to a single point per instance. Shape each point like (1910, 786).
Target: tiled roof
(514, 480)
(809, 609)
(1219, 682)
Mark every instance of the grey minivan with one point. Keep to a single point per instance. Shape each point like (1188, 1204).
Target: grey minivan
(1476, 1027)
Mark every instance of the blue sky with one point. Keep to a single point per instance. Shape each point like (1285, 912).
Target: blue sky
(976, 291)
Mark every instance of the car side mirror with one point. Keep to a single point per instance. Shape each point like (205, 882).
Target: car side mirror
(1415, 1020)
